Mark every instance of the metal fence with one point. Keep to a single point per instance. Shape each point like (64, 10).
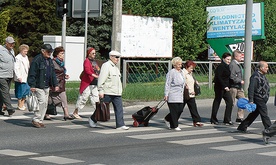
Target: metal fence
(136, 71)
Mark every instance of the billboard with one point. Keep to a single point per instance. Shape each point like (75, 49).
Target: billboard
(146, 37)
(229, 21)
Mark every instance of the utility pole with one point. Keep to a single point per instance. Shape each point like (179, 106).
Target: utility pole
(116, 27)
(248, 43)
(63, 38)
(86, 26)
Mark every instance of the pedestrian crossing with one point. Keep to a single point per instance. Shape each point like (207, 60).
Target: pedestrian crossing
(214, 137)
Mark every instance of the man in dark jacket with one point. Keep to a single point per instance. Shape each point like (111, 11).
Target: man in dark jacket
(271, 131)
(40, 78)
(258, 93)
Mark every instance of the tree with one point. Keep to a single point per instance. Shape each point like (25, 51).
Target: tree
(29, 24)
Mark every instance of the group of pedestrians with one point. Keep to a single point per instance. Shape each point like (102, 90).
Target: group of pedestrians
(228, 83)
(46, 77)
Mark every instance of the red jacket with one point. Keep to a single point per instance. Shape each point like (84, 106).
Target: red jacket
(87, 77)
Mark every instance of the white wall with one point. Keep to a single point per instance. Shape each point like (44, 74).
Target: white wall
(74, 53)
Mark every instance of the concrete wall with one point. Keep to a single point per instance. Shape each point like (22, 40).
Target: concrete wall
(74, 53)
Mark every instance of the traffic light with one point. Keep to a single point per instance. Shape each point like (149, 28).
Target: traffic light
(60, 9)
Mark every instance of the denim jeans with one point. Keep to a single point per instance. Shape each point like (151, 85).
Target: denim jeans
(118, 108)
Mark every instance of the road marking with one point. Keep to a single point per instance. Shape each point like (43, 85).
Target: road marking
(214, 139)
(176, 134)
(16, 152)
(273, 153)
(240, 147)
(57, 160)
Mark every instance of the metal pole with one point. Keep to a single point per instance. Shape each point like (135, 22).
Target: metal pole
(63, 37)
(116, 27)
(86, 22)
(248, 43)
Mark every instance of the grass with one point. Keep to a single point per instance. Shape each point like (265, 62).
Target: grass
(152, 91)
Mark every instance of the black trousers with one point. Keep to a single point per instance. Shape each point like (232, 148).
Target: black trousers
(261, 109)
(271, 131)
(5, 98)
(193, 109)
(175, 112)
(219, 94)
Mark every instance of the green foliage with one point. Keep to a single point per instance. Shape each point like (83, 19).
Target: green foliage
(4, 19)
(29, 24)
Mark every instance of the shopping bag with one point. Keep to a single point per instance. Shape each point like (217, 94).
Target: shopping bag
(102, 112)
(32, 102)
(51, 108)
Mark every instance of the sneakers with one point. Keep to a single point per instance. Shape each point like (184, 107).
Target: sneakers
(123, 127)
(265, 138)
(177, 129)
(92, 123)
(167, 123)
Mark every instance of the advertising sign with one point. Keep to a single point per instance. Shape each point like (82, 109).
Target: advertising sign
(229, 21)
(212, 56)
(146, 37)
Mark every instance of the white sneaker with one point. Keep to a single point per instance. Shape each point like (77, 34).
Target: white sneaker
(167, 123)
(92, 123)
(123, 127)
(177, 129)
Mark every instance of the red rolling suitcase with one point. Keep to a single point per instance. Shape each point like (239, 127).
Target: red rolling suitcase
(145, 114)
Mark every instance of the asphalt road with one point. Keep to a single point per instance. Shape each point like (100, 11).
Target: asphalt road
(74, 142)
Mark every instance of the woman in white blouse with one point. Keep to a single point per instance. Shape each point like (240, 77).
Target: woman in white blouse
(189, 66)
(21, 69)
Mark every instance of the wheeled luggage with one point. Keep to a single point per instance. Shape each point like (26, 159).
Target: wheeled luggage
(145, 114)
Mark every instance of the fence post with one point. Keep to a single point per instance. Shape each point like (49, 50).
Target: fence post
(169, 65)
(210, 74)
(124, 73)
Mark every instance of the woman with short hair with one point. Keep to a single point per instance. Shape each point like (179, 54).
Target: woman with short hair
(21, 69)
(174, 88)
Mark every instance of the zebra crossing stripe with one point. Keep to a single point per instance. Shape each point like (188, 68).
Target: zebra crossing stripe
(172, 133)
(16, 153)
(273, 153)
(240, 147)
(214, 139)
(57, 160)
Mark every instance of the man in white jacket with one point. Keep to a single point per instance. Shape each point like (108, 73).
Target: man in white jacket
(110, 88)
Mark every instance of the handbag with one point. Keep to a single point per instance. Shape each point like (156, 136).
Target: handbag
(51, 108)
(32, 102)
(197, 89)
(186, 94)
(82, 73)
(102, 112)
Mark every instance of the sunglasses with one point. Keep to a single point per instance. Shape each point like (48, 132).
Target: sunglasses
(116, 56)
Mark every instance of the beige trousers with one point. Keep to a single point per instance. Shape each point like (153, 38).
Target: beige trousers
(236, 94)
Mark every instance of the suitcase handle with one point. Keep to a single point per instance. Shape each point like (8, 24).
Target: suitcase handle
(160, 104)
